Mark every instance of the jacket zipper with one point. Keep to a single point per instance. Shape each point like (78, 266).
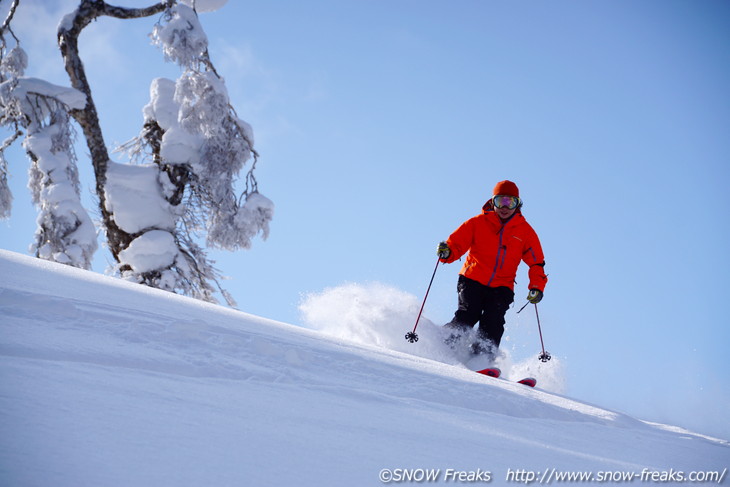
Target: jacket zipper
(499, 251)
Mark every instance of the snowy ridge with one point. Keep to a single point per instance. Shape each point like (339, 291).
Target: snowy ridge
(110, 383)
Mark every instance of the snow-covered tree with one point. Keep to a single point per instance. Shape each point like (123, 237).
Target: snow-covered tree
(186, 160)
(40, 109)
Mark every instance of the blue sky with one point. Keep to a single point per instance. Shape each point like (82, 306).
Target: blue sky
(382, 125)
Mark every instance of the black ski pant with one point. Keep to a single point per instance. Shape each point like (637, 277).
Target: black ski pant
(483, 304)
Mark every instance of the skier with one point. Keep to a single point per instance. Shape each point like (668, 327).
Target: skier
(497, 240)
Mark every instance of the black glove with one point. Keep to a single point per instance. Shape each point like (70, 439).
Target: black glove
(443, 251)
(535, 296)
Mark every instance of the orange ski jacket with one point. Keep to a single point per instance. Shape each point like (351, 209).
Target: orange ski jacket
(496, 249)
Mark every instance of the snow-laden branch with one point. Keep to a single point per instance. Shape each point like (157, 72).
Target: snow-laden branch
(6, 196)
(65, 232)
(200, 147)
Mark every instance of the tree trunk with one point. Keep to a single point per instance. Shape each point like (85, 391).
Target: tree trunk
(87, 118)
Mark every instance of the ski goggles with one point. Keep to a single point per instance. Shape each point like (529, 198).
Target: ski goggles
(510, 202)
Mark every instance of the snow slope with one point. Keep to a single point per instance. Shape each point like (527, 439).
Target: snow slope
(107, 383)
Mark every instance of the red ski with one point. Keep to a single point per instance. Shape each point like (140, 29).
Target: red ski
(491, 372)
(528, 381)
(495, 372)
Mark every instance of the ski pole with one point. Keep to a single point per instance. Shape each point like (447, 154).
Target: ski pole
(412, 336)
(544, 356)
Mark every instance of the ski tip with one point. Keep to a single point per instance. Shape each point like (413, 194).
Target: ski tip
(491, 372)
(528, 381)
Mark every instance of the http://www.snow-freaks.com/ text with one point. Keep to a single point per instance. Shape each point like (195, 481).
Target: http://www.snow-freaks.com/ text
(547, 476)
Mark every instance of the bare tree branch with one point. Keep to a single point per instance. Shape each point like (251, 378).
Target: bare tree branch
(6, 23)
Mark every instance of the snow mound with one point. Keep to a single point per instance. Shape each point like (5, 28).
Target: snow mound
(133, 194)
(152, 250)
